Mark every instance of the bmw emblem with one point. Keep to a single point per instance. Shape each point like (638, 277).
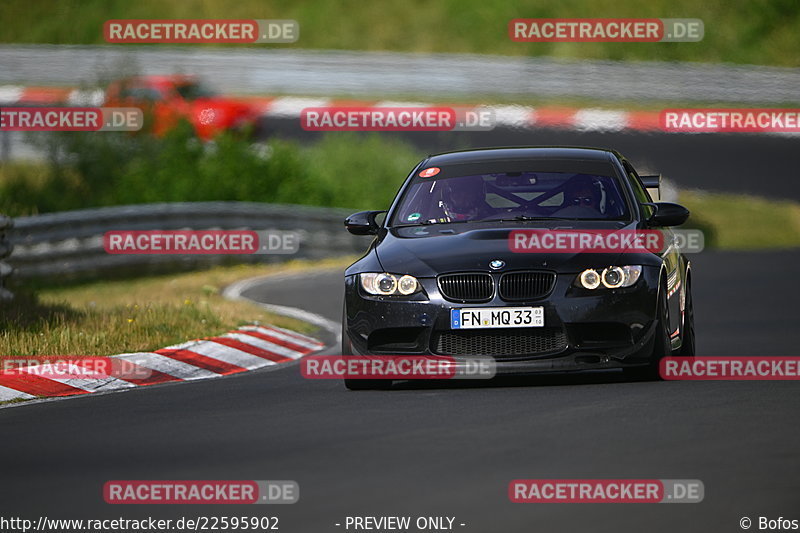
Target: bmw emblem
(497, 264)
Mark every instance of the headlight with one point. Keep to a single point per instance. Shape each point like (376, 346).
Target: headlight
(590, 279)
(385, 284)
(612, 277)
(208, 116)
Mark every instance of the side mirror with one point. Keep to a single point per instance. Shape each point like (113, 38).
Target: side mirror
(667, 214)
(362, 223)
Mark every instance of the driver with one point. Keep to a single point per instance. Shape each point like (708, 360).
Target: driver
(581, 196)
(465, 198)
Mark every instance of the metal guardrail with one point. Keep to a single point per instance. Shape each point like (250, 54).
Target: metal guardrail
(409, 75)
(5, 146)
(70, 244)
(5, 249)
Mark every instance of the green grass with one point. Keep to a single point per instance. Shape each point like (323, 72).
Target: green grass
(736, 31)
(743, 222)
(344, 170)
(109, 317)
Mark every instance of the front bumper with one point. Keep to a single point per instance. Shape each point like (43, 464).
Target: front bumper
(583, 329)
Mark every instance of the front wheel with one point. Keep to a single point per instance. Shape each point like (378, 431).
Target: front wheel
(368, 384)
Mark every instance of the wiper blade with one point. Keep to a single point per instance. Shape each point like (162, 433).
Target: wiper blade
(432, 222)
(525, 218)
(423, 223)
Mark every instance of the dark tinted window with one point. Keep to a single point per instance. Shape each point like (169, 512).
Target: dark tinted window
(141, 93)
(506, 195)
(193, 91)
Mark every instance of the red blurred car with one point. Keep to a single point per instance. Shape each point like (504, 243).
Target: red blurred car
(167, 99)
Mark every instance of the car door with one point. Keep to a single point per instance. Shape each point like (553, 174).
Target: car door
(146, 97)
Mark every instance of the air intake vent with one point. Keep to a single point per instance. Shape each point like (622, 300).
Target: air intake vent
(518, 286)
(474, 287)
(499, 343)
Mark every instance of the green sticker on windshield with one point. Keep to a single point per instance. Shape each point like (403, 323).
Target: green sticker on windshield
(414, 216)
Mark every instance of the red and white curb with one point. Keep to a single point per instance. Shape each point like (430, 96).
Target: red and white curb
(511, 116)
(517, 116)
(247, 348)
(22, 96)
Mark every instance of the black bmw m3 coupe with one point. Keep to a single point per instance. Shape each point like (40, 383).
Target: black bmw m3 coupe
(451, 270)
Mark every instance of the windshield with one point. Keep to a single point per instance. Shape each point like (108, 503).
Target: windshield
(511, 196)
(194, 90)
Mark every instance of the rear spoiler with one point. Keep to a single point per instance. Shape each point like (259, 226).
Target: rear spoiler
(653, 186)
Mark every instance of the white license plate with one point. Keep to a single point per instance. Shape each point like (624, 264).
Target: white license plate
(497, 317)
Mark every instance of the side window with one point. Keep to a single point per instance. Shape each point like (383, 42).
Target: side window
(141, 93)
(639, 191)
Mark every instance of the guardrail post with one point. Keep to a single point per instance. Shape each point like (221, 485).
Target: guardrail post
(5, 145)
(5, 251)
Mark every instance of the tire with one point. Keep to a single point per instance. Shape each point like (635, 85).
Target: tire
(359, 384)
(661, 343)
(368, 384)
(347, 348)
(688, 340)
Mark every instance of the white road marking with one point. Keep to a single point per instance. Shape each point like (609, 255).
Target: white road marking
(290, 106)
(235, 290)
(274, 332)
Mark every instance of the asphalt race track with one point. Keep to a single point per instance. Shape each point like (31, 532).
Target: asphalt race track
(443, 450)
(764, 165)
(452, 449)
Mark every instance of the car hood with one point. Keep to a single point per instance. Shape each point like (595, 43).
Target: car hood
(426, 251)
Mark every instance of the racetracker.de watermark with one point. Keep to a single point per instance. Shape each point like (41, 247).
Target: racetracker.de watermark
(71, 119)
(718, 120)
(397, 367)
(62, 368)
(193, 31)
(606, 491)
(730, 368)
(621, 30)
(397, 118)
(201, 242)
(201, 492)
(604, 241)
